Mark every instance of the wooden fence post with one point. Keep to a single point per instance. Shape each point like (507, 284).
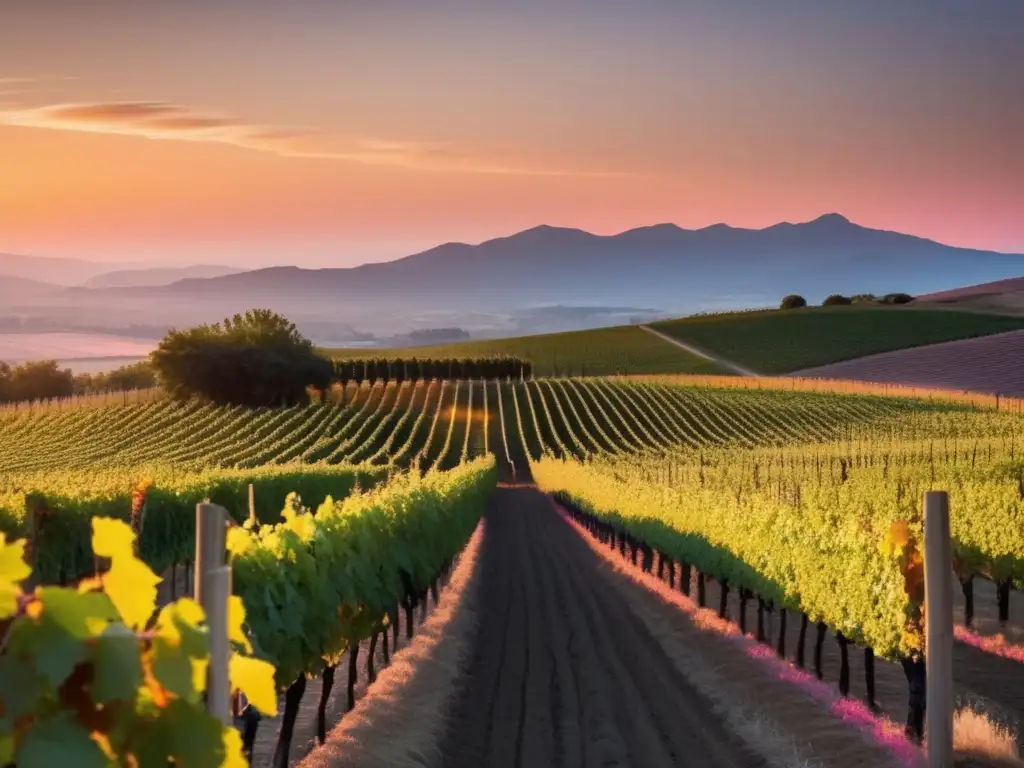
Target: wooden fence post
(212, 589)
(938, 557)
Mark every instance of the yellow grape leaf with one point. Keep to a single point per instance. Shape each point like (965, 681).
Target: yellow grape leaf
(254, 678)
(13, 570)
(131, 587)
(199, 668)
(236, 618)
(111, 538)
(239, 540)
(233, 757)
(896, 539)
(90, 585)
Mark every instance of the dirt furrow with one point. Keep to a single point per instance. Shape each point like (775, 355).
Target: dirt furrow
(563, 673)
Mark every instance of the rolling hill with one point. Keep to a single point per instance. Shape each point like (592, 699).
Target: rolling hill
(605, 351)
(133, 278)
(777, 341)
(661, 266)
(62, 272)
(67, 273)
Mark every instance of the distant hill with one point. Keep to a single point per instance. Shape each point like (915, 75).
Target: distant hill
(661, 266)
(20, 288)
(999, 296)
(98, 274)
(65, 272)
(130, 278)
(1010, 285)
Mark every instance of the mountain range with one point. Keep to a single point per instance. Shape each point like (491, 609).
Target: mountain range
(484, 288)
(662, 266)
(39, 274)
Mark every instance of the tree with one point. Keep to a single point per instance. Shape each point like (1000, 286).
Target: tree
(864, 298)
(837, 300)
(793, 301)
(38, 380)
(255, 359)
(897, 298)
(135, 376)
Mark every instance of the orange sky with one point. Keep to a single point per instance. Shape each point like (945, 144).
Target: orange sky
(335, 133)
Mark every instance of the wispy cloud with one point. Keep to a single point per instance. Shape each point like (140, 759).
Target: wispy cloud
(164, 121)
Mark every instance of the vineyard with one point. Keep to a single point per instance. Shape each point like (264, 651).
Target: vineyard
(599, 352)
(805, 505)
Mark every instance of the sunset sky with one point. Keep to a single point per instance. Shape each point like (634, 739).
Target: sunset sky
(333, 132)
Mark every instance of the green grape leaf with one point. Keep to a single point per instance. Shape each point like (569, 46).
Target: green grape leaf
(13, 570)
(254, 678)
(172, 668)
(56, 651)
(80, 615)
(60, 742)
(22, 687)
(117, 666)
(186, 735)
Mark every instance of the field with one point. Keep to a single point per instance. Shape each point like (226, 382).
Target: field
(983, 364)
(602, 352)
(775, 342)
(690, 521)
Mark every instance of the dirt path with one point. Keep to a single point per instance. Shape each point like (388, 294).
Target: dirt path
(734, 367)
(562, 673)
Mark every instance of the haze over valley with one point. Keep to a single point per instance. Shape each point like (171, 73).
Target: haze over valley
(541, 280)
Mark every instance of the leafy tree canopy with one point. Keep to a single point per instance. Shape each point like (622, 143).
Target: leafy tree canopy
(837, 300)
(255, 359)
(793, 302)
(38, 380)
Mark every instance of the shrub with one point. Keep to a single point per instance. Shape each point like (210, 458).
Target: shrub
(793, 302)
(254, 359)
(897, 298)
(865, 298)
(837, 300)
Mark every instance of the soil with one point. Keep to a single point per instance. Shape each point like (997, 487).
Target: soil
(563, 673)
(577, 663)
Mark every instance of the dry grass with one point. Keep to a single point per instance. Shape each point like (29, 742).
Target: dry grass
(400, 722)
(978, 740)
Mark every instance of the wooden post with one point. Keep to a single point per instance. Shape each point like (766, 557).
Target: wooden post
(218, 686)
(252, 505)
(212, 589)
(938, 557)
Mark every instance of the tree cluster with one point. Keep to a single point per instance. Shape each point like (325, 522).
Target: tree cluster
(37, 380)
(414, 369)
(124, 379)
(837, 299)
(795, 301)
(255, 359)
